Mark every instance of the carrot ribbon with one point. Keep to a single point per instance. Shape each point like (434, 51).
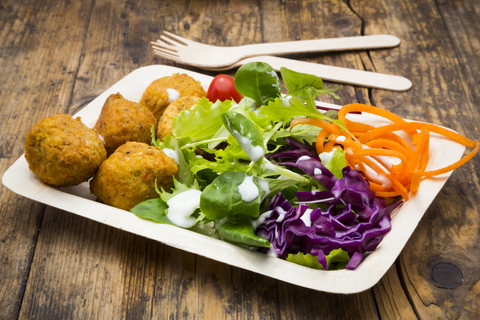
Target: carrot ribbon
(392, 165)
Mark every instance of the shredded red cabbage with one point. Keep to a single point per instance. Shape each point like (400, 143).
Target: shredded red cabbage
(300, 156)
(350, 217)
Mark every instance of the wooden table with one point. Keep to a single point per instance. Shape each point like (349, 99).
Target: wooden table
(56, 56)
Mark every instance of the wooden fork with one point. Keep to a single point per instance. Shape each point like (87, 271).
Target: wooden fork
(201, 55)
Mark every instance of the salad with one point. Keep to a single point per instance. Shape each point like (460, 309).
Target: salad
(277, 174)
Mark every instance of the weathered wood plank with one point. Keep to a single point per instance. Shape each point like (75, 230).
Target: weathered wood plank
(390, 298)
(39, 52)
(302, 20)
(434, 41)
(114, 271)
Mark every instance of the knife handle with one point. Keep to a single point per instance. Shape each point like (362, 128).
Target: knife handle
(338, 74)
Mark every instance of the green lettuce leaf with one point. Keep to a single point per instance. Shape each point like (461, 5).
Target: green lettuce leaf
(286, 108)
(336, 259)
(202, 121)
(334, 161)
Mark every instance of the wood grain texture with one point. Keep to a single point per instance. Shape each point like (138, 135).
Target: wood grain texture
(59, 55)
(37, 80)
(436, 60)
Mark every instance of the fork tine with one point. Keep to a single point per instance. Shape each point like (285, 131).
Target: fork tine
(165, 53)
(171, 36)
(159, 44)
(170, 42)
(168, 56)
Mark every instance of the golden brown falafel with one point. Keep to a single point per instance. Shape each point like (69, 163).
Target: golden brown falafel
(128, 176)
(156, 96)
(122, 120)
(165, 124)
(62, 151)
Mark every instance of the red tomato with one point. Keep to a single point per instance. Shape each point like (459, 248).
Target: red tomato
(222, 88)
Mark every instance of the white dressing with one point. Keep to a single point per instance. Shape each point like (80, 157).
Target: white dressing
(306, 217)
(269, 166)
(281, 214)
(285, 102)
(253, 152)
(248, 189)
(172, 95)
(171, 153)
(374, 175)
(261, 219)
(326, 157)
(303, 158)
(264, 186)
(182, 206)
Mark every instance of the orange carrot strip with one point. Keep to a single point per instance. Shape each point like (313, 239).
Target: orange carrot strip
(342, 113)
(421, 153)
(383, 142)
(400, 188)
(322, 135)
(395, 137)
(387, 194)
(327, 147)
(374, 152)
(455, 165)
(358, 107)
(395, 183)
(353, 126)
(388, 144)
(407, 126)
(424, 153)
(433, 128)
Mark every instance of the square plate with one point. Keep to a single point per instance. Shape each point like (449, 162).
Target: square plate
(78, 200)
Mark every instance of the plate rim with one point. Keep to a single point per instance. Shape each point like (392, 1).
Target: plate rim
(363, 278)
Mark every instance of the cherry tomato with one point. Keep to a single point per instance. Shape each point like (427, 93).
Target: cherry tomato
(222, 88)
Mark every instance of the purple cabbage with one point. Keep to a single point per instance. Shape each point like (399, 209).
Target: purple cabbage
(296, 149)
(351, 217)
(300, 156)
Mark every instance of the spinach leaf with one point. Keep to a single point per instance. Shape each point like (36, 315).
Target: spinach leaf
(241, 233)
(246, 133)
(258, 81)
(152, 209)
(232, 193)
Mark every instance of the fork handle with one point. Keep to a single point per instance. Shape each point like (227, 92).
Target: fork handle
(320, 45)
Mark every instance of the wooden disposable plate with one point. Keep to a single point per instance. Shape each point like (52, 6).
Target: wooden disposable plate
(78, 200)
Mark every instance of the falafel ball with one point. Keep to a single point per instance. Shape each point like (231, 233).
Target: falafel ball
(128, 176)
(165, 124)
(62, 151)
(122, 120)
(161, 92)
